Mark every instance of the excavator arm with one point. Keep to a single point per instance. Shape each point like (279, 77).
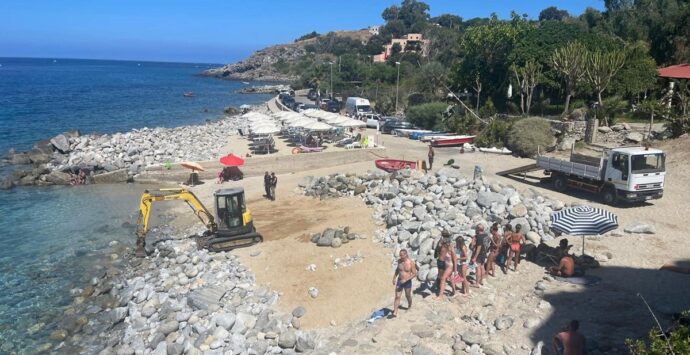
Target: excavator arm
(147, 198)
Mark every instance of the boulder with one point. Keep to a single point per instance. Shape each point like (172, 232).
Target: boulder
(640, 228)
(58, 178)
(471, 338)
(19, 159)
(634, 137)
(225, 320)
(326, 239)
(503, 322)
(486, 198)
(519, 210)
(299, 312)
(523, 222)
(112, 177)
(533, 237)
(169, 327)
(448, 172)
(61, 143)
(336, 243)
(39, 157)
(287, 339)
(604, 129)
(305, 342)
(205, 297)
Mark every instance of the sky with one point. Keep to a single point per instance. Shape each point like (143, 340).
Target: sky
(205, 31)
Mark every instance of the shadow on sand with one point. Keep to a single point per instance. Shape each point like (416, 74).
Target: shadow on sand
(611, 310)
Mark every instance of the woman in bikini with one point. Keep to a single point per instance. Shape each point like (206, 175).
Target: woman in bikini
(493, 249)
(514, 243)
(503, 248)
(446, 264)
(462, 253)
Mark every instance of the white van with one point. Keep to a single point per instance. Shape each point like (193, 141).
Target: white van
(355, 106)
(372, 119)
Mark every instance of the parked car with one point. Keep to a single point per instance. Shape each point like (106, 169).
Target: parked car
(308, 107)
(288, 100)
(373, 120)
(297, 106)
(333, 106)
(392, 124)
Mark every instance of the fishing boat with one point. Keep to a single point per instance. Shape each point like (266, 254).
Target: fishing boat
(391, 165)
(188, 94)
(451, 141)
(422, 135)
(494, 150)
(245, 82)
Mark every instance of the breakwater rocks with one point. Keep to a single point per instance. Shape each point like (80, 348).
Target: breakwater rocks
(117, 157)
(181, 300)
(415, 208)
(264, 89)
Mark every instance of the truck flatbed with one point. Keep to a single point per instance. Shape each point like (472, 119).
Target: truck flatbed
(571, 168)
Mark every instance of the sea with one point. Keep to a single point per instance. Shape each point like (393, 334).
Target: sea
(53, 239)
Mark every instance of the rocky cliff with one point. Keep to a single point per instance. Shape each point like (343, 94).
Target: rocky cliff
(260, 65)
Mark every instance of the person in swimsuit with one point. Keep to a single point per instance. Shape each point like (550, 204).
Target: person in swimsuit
(496, 241)
(446, 264)
(462, 253)
(402, 279)
(514, 243)
(569, 341)
(480, 254)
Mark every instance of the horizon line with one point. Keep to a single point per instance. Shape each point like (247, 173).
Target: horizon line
(111, 60)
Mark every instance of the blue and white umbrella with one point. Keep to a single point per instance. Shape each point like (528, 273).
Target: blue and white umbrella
(583, 220)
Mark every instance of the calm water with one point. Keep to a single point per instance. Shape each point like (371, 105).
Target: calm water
(40, 98)
(53, 239)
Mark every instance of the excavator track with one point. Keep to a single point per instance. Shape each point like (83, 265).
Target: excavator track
(217, 243)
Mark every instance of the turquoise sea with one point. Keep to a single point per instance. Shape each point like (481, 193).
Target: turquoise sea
(53, 239)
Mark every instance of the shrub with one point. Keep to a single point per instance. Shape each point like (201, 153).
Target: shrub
(312, 34)
(494, 134)
(488, 109)
(427, 115)
(527, 134)
(679, 338)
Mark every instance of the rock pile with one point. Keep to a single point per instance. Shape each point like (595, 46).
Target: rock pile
(184, 300)
(416, 208)
(120, 156)
(333, 237)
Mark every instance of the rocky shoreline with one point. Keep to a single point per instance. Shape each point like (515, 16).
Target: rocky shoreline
(118, 157)
(264, 89)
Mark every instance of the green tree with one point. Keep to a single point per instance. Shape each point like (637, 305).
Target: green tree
(428, 116)
(553, 13)
(430, 79)
(527, 78)
(678, 342)
(600, 68)
(570, 62)
(638, 75)
(448, 21)
(312, 34)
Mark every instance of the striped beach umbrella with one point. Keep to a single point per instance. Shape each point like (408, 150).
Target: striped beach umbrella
(583, 220)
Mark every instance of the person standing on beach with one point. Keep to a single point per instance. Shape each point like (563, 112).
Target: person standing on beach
(267, 184)
(569, 341)
(446, 262)
(480, 254)
(515, 244)
(430, 155)
(402, 279)
(496, 241)
(273, 183)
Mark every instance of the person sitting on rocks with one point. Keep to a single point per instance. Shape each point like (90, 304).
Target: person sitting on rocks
(82, 177)
(569, 341)
(566, 264)
(402, 279)
(446, 261)
(515, 243)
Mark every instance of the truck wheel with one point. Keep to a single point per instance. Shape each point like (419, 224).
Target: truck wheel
(560, 183)
(609, 196)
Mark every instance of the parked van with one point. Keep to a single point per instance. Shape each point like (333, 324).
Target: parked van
(355, 106)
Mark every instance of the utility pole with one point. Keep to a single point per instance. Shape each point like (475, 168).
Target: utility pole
(331, 63)
(397, 87)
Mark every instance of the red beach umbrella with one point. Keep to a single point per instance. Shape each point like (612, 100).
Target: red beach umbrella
(232, 160)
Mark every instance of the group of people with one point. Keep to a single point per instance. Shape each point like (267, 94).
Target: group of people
(79, 179)
(270, 183)
(483, 252)
(456, 261)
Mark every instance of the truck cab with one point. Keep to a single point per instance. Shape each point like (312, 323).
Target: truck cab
(635, 173)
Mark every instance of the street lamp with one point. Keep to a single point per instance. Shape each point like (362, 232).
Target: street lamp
(331, 64)
(397, 84)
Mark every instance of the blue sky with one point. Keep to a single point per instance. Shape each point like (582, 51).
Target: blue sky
(206, 31)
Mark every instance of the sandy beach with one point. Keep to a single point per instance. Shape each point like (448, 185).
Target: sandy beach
(609, 311)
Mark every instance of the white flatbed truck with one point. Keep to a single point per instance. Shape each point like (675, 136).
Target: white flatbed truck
(625, 174)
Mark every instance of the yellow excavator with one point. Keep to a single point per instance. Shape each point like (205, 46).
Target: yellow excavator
(235, 227)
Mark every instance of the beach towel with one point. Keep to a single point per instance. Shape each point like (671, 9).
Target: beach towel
(377, 315)
(579, 280)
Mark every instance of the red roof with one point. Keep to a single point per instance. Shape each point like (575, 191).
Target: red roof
(680, 71)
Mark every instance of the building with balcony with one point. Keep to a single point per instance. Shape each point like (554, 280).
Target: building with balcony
(412, 42)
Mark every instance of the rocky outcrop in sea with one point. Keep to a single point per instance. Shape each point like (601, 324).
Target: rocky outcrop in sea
(260, 66)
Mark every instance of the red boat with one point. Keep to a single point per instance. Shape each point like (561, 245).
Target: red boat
(452, 141)
(391, 165)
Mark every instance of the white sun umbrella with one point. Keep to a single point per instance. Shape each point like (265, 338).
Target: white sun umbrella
(312, 113)
(266, 130)
(263, 125)
(251, 114)
(352, 123)
(339, 120)
(302, 123)
(318, 126)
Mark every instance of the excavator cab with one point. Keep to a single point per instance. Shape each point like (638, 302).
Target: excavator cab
(234, 227)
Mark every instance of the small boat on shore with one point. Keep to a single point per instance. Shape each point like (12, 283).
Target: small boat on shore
(451, 141)
(391, 165)
(495, 150)
(188, 94)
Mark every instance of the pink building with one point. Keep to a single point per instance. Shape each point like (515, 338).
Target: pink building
(412, 42)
